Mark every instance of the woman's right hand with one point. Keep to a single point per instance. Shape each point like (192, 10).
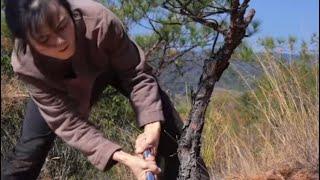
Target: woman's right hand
(138, 166)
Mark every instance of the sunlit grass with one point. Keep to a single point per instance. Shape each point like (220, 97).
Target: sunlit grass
(274, 123)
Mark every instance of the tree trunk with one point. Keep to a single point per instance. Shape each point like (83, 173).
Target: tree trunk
(190, 140)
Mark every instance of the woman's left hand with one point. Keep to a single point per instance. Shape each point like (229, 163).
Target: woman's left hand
(149, 139)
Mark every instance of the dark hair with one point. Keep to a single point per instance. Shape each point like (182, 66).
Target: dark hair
(26, 16)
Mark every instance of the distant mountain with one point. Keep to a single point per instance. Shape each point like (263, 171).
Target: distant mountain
(178, 81)
(239, 76)
(232, 78)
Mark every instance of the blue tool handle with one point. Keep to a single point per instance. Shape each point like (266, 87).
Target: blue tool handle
(146, 154)
(150, 176)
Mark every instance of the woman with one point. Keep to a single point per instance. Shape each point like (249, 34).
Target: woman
(67, 52)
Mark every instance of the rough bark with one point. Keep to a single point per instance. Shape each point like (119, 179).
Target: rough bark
(190, 140)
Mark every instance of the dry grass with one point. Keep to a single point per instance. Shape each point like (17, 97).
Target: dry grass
(273, 125)
(13, 98)
(13, 94)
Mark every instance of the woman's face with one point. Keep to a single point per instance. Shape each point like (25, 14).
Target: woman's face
(57, 41)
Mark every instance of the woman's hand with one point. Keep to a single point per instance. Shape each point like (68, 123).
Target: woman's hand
(149, 139)
(138, 166)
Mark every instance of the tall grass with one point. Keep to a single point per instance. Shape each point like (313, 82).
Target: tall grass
(274, 124)
(12, 100)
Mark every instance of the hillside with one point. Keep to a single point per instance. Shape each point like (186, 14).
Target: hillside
(232, 78)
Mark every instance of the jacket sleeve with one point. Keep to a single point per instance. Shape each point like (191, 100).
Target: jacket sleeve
(135, 75)
(59, 113)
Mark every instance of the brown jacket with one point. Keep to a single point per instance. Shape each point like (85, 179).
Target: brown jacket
(104, 55)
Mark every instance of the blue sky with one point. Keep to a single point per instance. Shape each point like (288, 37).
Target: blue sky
(281, 18)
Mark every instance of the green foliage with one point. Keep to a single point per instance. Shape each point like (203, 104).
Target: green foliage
(268, 43)
(6, 48)
(131, 12)
(176, 31)
(113, 114)
(146, 41)
(292, 41)
(5, 32)
(6, 67)
(304, 51)
(247, 109)
(244, 52)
